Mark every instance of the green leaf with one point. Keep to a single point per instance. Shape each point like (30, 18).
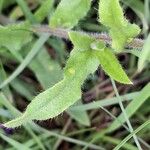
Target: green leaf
(83, 61)
(81, 40)
(1, 5)
(44, 10)
(52, 70)
(137, 7)
(53, 74)
(23, 88)
(26, 11)
(141, 127)
(84, 42)
(3, 76)
(137, 53)
(106, 57)
(121, 31)
(14, 143)
(13, 37)
(35, 49)
(145, 54)
(69, 12)
(111, 66)
(55, 100)
(80, 115)
(132, 107)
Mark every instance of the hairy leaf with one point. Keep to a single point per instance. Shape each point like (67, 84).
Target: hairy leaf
(55, 100)
(121, 31)
(107, 59)
(69, 12)
(84, 59)
(13, 37)
(81, 40)
(111, 66)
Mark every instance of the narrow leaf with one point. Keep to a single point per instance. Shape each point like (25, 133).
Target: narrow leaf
(44, 10)
(37, 46)
(69, 12)
(14, 143)
(121, 31)
(132, 107)
(111, 66)
(145, 54)
(55, 100)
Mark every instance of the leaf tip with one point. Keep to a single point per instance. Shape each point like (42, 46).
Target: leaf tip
(16, 122)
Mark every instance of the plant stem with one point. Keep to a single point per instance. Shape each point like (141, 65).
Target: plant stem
(63, 33)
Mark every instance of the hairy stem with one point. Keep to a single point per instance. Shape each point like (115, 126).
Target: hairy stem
(63, 33)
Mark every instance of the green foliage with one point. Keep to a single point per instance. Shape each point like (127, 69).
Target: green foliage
(83, 61)
(13, 37)
(111, 66)
(44, 10)
(145, 54)
(87, 54)
(40, 58)
(132, 107)
(55, 100)
(121, 31)
(14, 143)
(35, 49)
(69, 12)
(80, 115)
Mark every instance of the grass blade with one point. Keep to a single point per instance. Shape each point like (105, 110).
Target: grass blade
(15, 144)
(145, 54)
(130, 135)
(133, 106)
(37, 46)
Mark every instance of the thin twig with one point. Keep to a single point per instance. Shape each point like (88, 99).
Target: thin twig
(63, 33)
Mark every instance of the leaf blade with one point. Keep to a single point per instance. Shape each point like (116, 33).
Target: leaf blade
(111, 66)
(145, 54)
(121, 31)
(69, 12)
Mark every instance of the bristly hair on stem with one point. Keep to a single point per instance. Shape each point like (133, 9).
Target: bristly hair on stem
(63, 33)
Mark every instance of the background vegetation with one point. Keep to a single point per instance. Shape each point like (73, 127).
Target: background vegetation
(93, 122)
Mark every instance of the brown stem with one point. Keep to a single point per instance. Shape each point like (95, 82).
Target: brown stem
(63, 33)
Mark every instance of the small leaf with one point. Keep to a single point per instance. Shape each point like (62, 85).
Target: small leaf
(111, 66)
(69, 12)
(145, 54)
(121, 31)
(13, 37)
